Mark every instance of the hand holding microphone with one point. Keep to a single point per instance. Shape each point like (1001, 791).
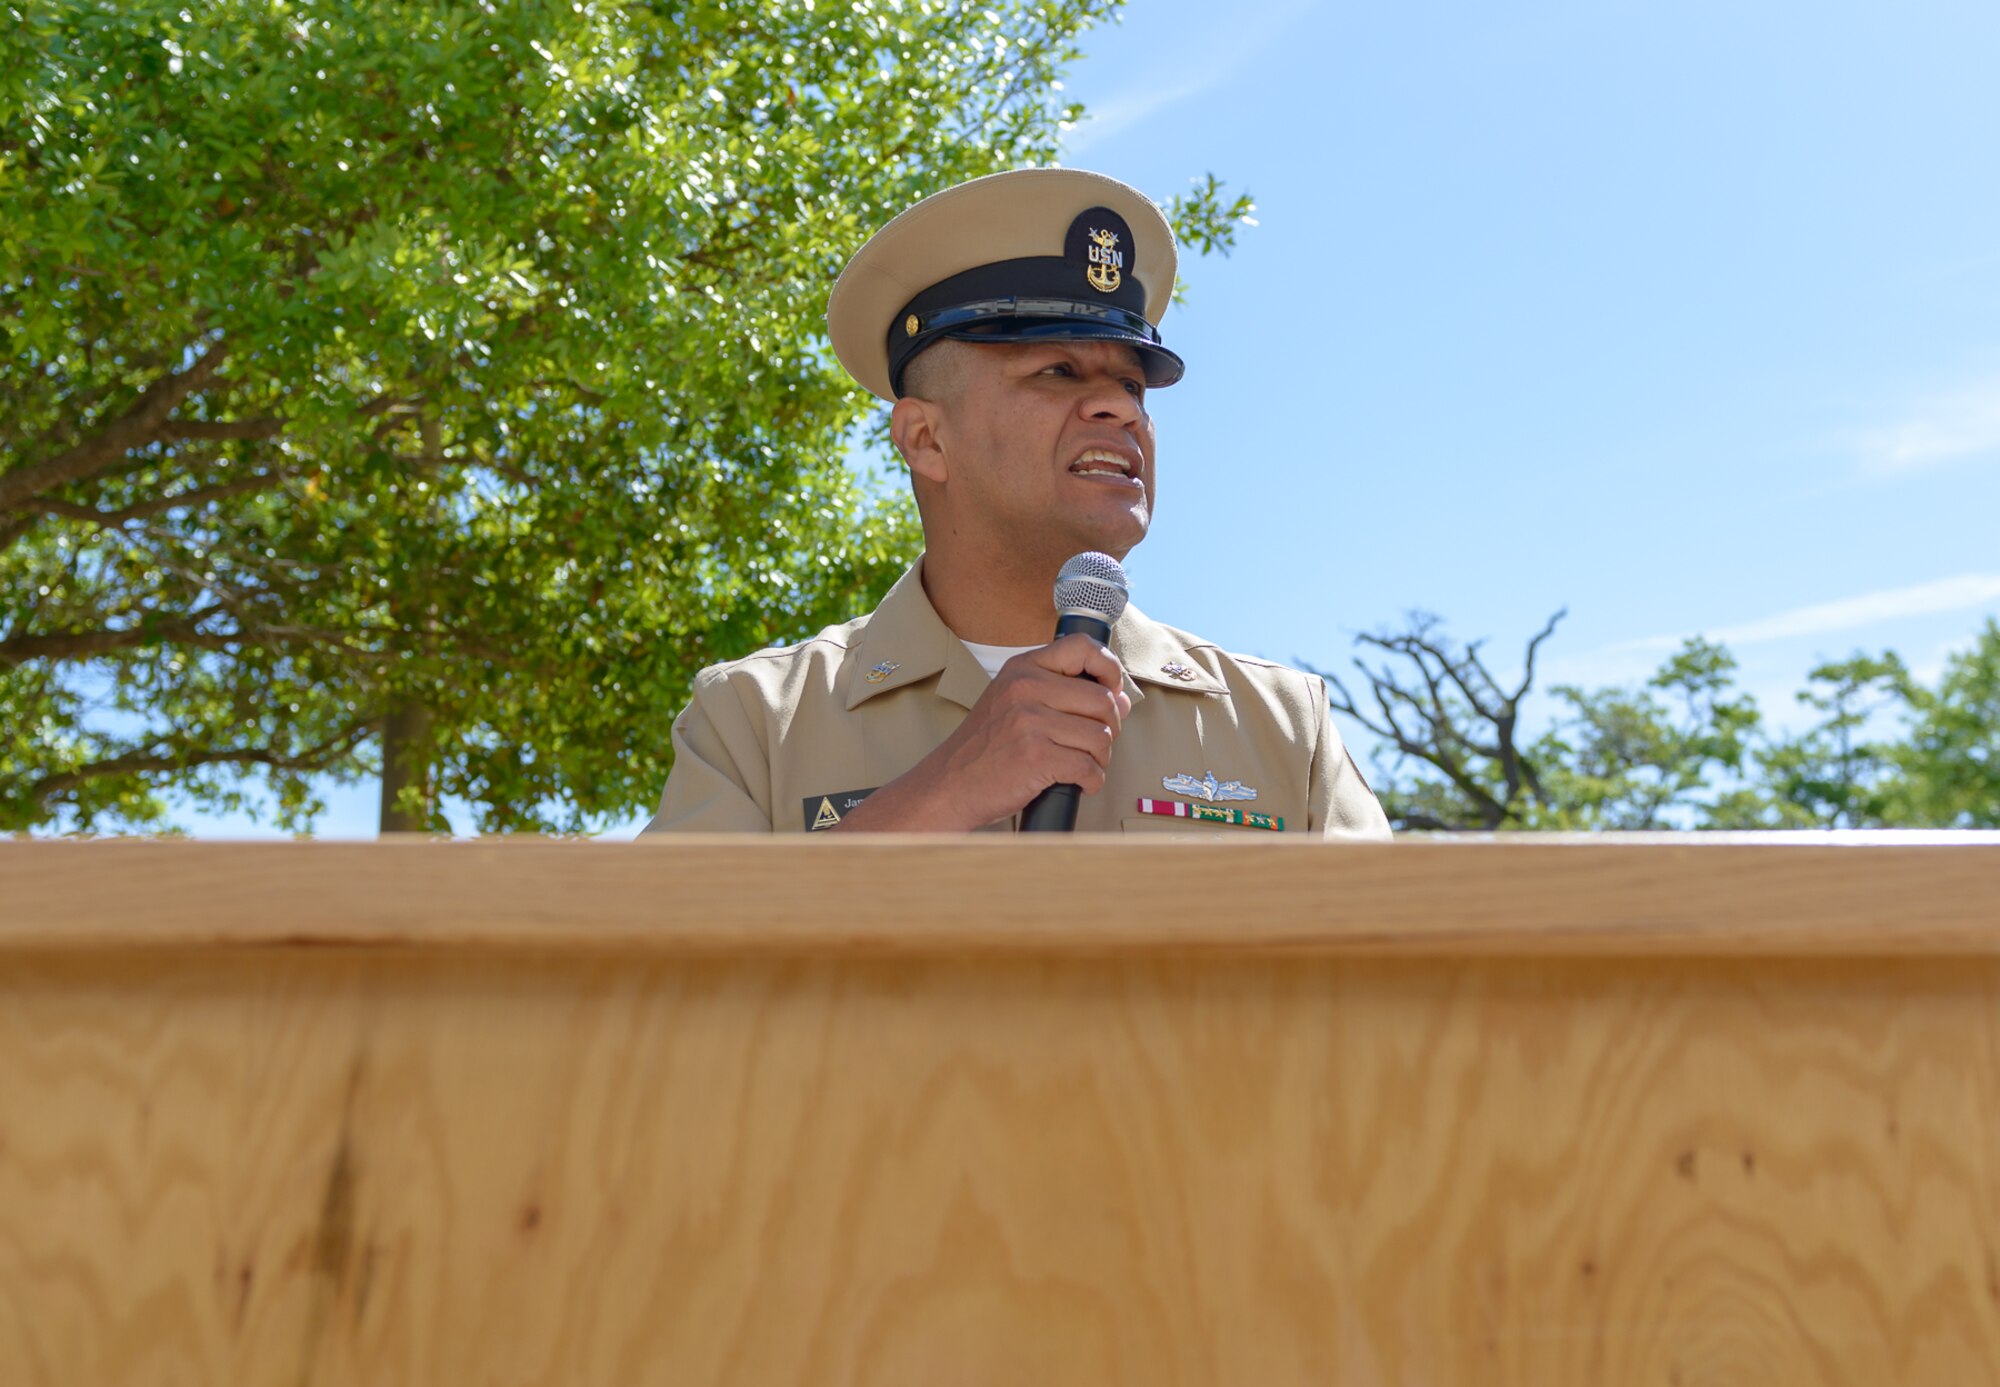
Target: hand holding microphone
(1041, 735)
(1090, 597)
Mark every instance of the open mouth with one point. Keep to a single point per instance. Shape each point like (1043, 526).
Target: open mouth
(1106, 464)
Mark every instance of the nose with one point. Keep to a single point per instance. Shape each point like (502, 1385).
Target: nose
(1108, 401)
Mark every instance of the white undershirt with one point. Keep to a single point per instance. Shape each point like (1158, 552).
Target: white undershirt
(991, 657)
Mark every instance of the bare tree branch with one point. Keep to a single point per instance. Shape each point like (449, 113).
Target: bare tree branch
(1535, 645)
(1436, 745)
(1443, 687)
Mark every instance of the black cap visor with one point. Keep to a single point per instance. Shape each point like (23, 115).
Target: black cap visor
(1024, 319)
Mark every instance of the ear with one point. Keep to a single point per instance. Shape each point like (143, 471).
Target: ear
(913, 428)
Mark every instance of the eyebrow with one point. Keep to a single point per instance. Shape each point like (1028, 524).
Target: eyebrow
(1069, 350)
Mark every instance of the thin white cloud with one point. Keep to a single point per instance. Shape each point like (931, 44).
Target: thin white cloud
(1223, 61)
(1848, 614)
(1944, 428)
(1121, 113)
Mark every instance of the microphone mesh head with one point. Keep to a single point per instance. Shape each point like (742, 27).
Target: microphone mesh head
(1094, 583)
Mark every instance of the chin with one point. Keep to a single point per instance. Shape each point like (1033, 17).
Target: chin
(1106, 532)
(1118, 542)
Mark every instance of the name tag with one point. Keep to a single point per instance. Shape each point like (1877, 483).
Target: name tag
(826, 811)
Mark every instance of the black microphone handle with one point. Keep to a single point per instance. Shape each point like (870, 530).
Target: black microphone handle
(1054, 809)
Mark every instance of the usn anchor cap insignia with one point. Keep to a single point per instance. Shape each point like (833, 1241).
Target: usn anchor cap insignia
(1208, 787)
(1101, 240)
(882, 671)
(1105, 261)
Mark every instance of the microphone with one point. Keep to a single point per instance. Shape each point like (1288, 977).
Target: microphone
(1090, 597)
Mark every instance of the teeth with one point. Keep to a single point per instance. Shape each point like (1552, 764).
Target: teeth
(1113, 464)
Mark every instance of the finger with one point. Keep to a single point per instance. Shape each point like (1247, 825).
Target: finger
(1072, 697)
(1079, 656)
(1084, 772)
(1093, 738)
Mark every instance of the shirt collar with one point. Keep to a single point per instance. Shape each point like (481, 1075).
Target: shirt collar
(1157, 656)
(906, 642)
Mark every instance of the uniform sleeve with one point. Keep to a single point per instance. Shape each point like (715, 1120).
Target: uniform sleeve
(1340, 803)
(721, 778)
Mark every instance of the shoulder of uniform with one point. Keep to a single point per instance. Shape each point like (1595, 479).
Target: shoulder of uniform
(1269, 667)
(1218, 659)
(1289, 685)
(830, 645)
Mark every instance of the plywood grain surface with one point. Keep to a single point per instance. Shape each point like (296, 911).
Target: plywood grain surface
(369, 1169)
(1672, 894)
(536, 1113)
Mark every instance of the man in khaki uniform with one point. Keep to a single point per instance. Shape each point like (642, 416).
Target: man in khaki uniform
(1013, 322)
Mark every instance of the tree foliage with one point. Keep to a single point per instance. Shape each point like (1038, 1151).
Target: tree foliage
(1946, 773)
(447, 376)
(1644, 759)
(1831, 775)
(1686, 749)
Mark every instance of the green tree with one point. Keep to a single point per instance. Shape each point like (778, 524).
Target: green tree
(1647, 758)
(1455, 752)
(1833, 774)
(1684, 750)
(1888, 751)
(430, 388)
(1947, 770)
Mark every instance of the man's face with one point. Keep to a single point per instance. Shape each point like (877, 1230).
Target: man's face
(1049, 447)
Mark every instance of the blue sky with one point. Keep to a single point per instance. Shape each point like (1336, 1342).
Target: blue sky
(1684, 316)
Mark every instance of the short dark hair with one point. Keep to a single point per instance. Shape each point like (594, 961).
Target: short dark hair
(932, 374)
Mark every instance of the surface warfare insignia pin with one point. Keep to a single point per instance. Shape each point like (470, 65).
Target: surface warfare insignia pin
(882, 671)
(1208, 787)
(1174, 669)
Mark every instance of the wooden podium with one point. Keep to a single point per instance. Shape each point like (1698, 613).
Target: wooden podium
(1536, 1112)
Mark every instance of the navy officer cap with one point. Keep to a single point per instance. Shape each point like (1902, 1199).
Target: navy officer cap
(1028, 255)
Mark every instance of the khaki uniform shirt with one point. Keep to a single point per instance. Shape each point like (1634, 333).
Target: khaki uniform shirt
(789, 739)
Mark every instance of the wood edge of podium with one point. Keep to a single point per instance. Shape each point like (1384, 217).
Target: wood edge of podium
(1827, 895)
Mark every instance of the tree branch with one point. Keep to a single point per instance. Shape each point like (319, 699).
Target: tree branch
(1345, 702)
(1436, 749)
(314, 758)
(83, 645)
(1528, 671)
(1451, 683)
(143, 423)
(194, 496)
(208, 431)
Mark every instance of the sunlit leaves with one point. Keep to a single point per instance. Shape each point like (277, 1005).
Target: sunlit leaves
(525, 412)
